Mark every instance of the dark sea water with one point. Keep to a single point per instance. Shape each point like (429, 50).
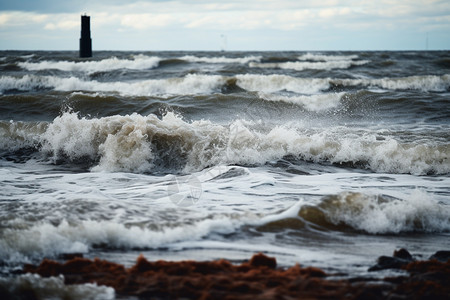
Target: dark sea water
(328, 159)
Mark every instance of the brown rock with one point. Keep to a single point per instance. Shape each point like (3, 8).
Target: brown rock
(257, 279)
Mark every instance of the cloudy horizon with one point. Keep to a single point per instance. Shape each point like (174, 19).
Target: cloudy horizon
(231, 25)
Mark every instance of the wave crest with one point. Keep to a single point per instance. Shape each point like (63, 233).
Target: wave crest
(33, 286)
(138, 143)
(379, 215)
(373, 214)
(206, 84)
(138, 62)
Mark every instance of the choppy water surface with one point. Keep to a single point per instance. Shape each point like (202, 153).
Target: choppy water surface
(328, 159)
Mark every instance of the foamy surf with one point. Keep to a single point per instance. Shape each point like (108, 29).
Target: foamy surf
(431, 83)
(22, 286)
(378, 215)
(192, 84)
(327, 57)
(49, 240)
(134, 62)
(300, 66)
(318, 102)
(135, 143)
(370, 213)
(205, 143)
(220, 59)
(138, 62)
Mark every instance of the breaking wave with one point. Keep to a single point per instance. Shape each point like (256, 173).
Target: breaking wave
(190, 84)
(36, 287)
(317, 102)
(327, 57)
(431, 83)
(274, 83)
(136, 62)
(139, 62)
(137, 143)
(206, 84)
(308, 65)
(50, 240)
(221, 59)
(373, 214)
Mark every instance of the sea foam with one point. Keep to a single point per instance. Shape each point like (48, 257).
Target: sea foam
(192, 84)
(371, 213)
(23, 286)
(135, 62)
(306, 65)
(375, 214)
(132, 142)
(317, 102)
(138, 62)
(327, 57)
(47, 240)
(221, 59)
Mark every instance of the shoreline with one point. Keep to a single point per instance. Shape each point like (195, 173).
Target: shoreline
(258, 278)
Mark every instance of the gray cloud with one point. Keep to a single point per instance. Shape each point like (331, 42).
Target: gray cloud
(249, 25)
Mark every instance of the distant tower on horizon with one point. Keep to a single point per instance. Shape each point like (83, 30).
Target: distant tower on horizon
(85, 40)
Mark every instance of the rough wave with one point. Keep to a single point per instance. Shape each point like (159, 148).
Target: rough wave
(206, 84)
(373, 214)
(274, 83)
(327, 57)
(307, 65)
(317, 102)
(136, 62)
(430, 83)
(139, 62)
(137, 143)
(379, 215)
(17, 135)
(221, 59)
(48, 240)
(190, 84)
(35, 287)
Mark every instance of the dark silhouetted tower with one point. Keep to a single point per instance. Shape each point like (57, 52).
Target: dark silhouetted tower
(85, 40)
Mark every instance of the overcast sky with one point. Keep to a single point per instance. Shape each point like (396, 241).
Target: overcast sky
(230, 24)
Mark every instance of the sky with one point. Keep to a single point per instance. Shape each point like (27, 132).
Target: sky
(232, 25)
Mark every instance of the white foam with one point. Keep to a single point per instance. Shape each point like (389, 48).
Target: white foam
(124, 143)
(47, 240)
(306, 65)
(291, 212)
(316, 102)
(16, 135)
(139, 62)
(274, 83)
(372, 213)
(188, 85)
(22, 286)
(417, 212)
(423, 83)
(205, 84)
(221, 59)
(325, 57)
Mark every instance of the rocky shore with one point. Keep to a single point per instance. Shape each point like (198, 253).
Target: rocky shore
(259, 278)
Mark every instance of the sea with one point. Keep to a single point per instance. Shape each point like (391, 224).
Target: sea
(325, 159)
